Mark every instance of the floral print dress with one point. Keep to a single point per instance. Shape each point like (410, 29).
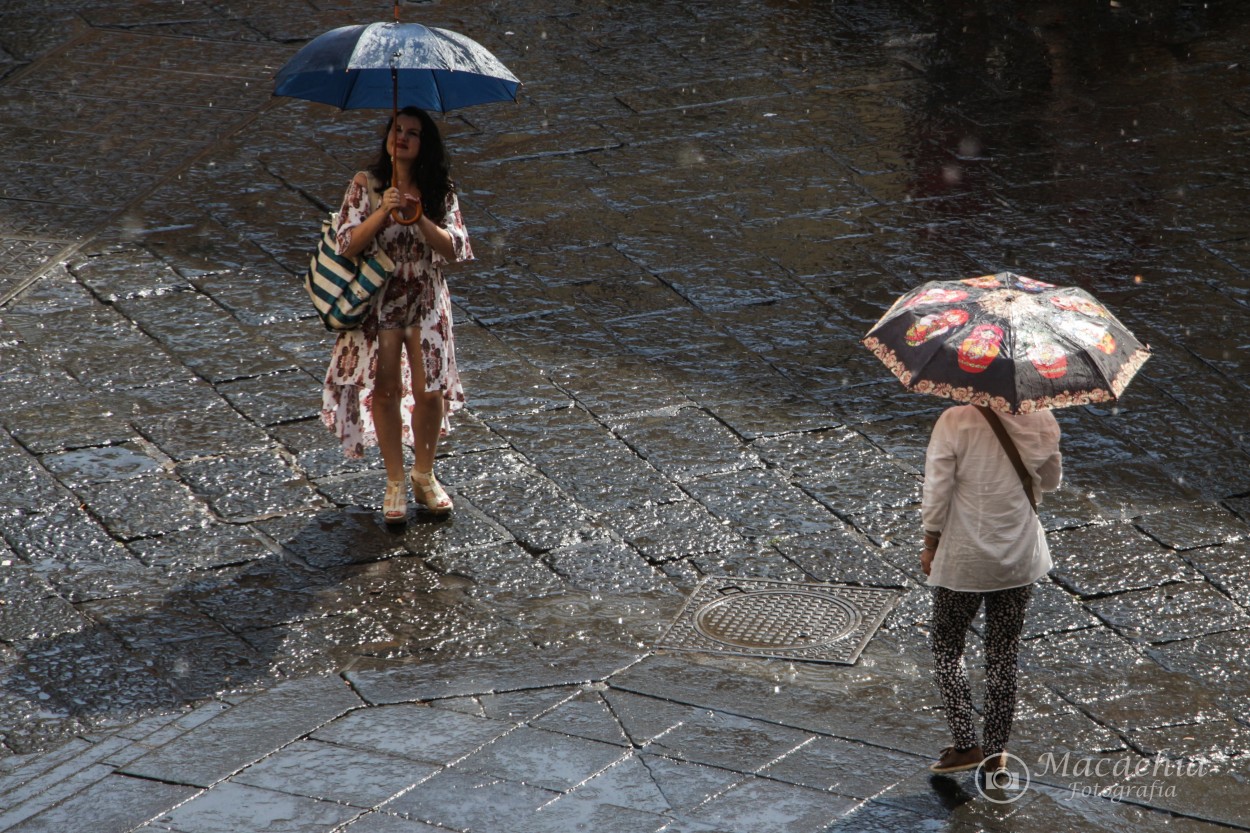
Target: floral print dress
(415, 296)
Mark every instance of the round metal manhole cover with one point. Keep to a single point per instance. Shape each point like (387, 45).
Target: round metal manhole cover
(777, 619)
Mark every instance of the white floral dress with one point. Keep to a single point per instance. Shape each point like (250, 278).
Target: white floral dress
(415, 295)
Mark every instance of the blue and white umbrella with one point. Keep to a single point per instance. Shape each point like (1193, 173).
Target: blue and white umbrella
(395, 64)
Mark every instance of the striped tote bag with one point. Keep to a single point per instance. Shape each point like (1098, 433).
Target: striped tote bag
(341, 287)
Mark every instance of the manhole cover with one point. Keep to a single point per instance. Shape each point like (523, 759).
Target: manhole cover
(764, 618)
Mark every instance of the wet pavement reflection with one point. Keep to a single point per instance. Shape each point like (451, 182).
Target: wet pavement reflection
(683, 227)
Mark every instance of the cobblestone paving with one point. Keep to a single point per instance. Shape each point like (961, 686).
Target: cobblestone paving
(683, 228)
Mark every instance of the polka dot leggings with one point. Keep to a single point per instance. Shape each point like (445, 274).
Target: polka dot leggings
(953, 612)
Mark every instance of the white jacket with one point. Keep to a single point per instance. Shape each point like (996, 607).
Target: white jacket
(991, 537)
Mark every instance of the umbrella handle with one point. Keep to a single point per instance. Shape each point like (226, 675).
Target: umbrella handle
(398, 216)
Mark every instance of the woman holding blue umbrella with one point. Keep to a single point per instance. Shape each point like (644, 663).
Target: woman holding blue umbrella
(402, 361)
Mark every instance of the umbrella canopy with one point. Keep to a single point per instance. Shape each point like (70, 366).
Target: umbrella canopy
(363, 66)
(1008, 342)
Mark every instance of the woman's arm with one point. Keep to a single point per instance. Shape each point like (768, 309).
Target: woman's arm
(438, 238)
(354, 239)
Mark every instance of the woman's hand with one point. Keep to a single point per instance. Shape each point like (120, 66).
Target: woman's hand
(926, 559)
(391, 199)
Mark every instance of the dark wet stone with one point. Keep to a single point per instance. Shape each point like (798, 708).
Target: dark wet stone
(420, 733)
(320, 646)
(728, 741)
(1112, 558)
(469, 435)
(545, 435)
(208, 431)
(585, 716)
(879, 483)
(167, 505)
(90, 580)
(507, 295)
(498, 671)
(87, 466)
(1090, 660)
(605, 567)
(143, 620)
(216, 545)
(246, 732)
(628, 783)
(382, 822)
(469, 801)
(121, 368)
(1189, 527)
(1056, 807)
(515, 706)
(1214, 476)
(874, 817)
(1053, 609)
(268, 400)
(259, 594)
(114, 804)
(335, 538)
(608, 480)
(1127, 490)
(950, 798)
(64, 534)
(619, 386)
(843, 557)
(334, 773)
(248, 486)
(521, 499)
(542, 758)
(206, 338)
(211, 666)
(849, 769)
(94, 677)
(232, 806)
(258, 297)
(575, 620)
(53, 427)
(1173, 611)
(317, 451)
(754, 560)
(1070, 731)
(499, 571)
(684, 444)
(511, 387)
(761, 504)
(670, 531)
(1211, 738)
(125, 271)
(445, 626)
(759, 804)
(30, 616)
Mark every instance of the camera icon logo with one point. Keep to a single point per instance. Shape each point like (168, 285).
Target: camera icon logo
(1005, 784)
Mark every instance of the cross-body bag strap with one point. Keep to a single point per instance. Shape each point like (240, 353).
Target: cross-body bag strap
(1013, 453)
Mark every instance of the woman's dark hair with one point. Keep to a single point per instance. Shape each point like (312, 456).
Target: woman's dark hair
(431, 170)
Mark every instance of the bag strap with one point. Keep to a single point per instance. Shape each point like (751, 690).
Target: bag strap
(1013, 453)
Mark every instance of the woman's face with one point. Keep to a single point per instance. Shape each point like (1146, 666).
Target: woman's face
(404, 140)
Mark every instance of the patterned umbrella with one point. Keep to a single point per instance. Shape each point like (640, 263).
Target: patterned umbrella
(1008, 342)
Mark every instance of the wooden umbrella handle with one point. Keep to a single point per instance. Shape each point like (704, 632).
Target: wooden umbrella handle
(398, 216)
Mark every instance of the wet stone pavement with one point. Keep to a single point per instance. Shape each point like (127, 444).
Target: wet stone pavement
(683, 227)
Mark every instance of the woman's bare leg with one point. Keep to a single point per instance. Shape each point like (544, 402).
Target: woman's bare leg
(427, 416)
(387, 395)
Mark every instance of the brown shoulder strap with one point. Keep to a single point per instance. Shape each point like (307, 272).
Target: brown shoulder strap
(1013, 453)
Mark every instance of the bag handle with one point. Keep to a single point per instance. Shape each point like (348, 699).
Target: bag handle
(1013, 453)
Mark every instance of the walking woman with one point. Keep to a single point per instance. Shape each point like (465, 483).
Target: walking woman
(402, 361)
(983, 545)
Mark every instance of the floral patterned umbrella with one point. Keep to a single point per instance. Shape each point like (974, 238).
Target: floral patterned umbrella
(1006, 341)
